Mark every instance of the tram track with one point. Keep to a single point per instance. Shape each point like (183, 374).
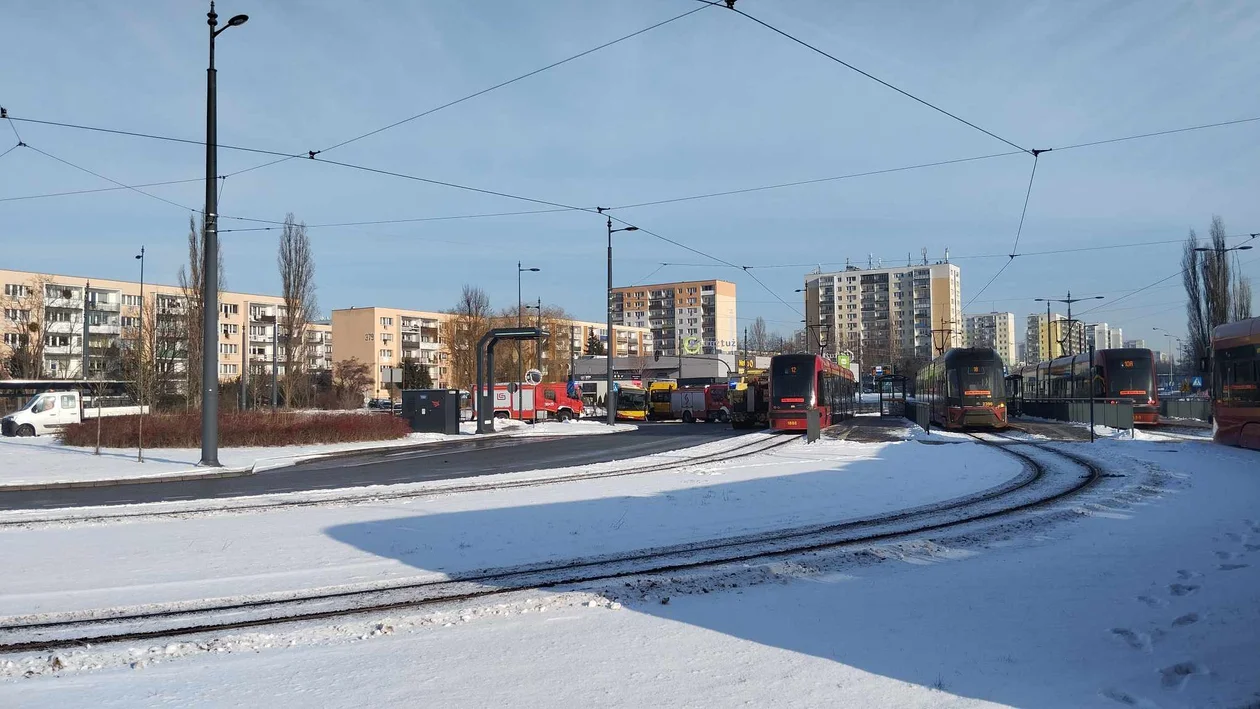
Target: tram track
(1020, 494)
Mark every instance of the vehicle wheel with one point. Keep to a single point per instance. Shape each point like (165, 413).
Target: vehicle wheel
(562, 416)
(26, 430)
(502, 415)
(723, 417)
(687, 417)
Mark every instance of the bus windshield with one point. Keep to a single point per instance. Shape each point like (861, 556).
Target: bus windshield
(661, 396)
(1129, 376)
(631, 400)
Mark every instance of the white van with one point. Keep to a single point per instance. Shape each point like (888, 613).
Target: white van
(47, 412)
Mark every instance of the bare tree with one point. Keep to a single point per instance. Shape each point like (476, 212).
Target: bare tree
(471, 319)
(1242, 298)
(351, 380)
(1214, 294)
(757, 339)
(25, 318)
(297, 285)
(191, 279)
(1198, 331)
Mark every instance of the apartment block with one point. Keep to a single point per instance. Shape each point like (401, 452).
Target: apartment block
(1054, 338)
(993, 330)
(882, 315)
(385, 337)
(696, 317)
(1102, 337)
(56, 306)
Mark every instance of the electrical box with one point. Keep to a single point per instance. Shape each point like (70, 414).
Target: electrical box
(431, 410)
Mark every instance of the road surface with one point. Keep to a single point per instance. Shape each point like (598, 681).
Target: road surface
(442, 461)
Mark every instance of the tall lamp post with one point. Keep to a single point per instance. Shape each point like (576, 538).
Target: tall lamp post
(520, 361)
(1068, 300)
(611, 350)
(1169, 335)
(140, 362)
(537, 342)
(210, 264)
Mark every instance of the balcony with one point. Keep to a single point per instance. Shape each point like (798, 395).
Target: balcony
(103, 307)
(105, 329)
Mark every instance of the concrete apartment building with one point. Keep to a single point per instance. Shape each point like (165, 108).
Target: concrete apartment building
(1058, 330)
(385, 337)
(697, 317)
(882, 315)
(1102, 337)
(994, 330)
(57, 304)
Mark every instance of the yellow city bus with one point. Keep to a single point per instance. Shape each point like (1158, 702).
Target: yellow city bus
(632, 403)
(660, 398)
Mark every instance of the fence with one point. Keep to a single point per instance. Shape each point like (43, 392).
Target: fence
(1113, 415)
(1200, 409)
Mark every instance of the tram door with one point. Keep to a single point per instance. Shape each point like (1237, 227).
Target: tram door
(1015, 395)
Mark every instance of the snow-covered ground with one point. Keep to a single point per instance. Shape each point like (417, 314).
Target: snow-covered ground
(1142, 593)
(43, 460)
(54, 569)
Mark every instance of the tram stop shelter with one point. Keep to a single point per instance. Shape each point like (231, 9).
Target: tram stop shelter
(892, 394)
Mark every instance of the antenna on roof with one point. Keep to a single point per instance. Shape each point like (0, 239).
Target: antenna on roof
(870, 260)
(908, 260)
(924, 252)
(946, 254)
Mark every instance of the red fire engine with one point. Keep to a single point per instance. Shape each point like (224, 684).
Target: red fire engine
(530, 399)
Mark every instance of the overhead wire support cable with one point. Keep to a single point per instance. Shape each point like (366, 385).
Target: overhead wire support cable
(482, 92)
(98, 189)
(108, 179)
(1018, 231)
(872, 77)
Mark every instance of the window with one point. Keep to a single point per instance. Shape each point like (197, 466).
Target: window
(17, 315)
(227, 369)
(14, 339)
(16, 290)
(387, 322)
(57, 340)
(387, 354)
(132, 300)
(227, 348)
(231, 329)
(549, 395)
(230, 309)
(258, 351)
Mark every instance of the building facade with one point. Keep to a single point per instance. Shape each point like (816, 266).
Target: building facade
(385, 337)
(694, 317)
(54, 308)
(882, 315)
(1064, 337)
(1103, 337)
(993, 330)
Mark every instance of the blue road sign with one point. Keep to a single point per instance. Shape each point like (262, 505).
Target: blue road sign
(1197, 382)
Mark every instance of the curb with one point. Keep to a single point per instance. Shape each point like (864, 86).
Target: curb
(169, 477)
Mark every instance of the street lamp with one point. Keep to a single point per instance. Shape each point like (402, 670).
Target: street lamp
(140, 362)
(1069, 300)
(612, 342)
(210, 264)
(1170, 352)
(537, 341)
(520, 362)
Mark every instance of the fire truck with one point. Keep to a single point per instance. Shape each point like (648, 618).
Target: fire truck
(701, 402)
(528, 402)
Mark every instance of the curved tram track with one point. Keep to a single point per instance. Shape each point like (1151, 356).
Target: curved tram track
(1022, 493)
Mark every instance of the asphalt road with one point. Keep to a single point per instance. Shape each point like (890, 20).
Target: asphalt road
(441, 461)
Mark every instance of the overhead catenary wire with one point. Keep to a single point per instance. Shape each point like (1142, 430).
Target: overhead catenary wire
(99, 189)
(15, 147)
(872, 77)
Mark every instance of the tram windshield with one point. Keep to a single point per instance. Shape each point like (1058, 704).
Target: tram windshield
(979, 382)
(1130, 377)
(792, 380)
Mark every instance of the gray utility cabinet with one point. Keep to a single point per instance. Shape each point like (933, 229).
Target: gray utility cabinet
(431, 410)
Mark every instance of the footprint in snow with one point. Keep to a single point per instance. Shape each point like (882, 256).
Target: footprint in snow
(1186, 575)
(1235, 537)
(1152, 601)
(1178, 589)
(1224, 555)
(1176, 676)
(1128, 699)
(1231, 567)
(1135, 640)
(1251, 547)
(1187, 619)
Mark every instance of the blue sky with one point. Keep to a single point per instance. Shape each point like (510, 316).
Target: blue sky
(711, 102)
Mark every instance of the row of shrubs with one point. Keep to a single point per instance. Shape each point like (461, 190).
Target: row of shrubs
(236, 429)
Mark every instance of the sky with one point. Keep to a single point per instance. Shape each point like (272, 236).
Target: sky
(707, 103)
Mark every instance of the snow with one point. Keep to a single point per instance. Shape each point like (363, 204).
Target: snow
(44, 460)
(176, 560)
(1141, 593)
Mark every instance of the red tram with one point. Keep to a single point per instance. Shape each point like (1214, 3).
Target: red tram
(1235, 375)
(1117, 375)
(964, 388)
(799, 382)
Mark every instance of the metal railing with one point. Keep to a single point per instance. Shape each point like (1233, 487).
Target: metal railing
(1119, 415)
(1200, 409)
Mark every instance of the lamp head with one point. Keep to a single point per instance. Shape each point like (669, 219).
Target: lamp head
(238, 20)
